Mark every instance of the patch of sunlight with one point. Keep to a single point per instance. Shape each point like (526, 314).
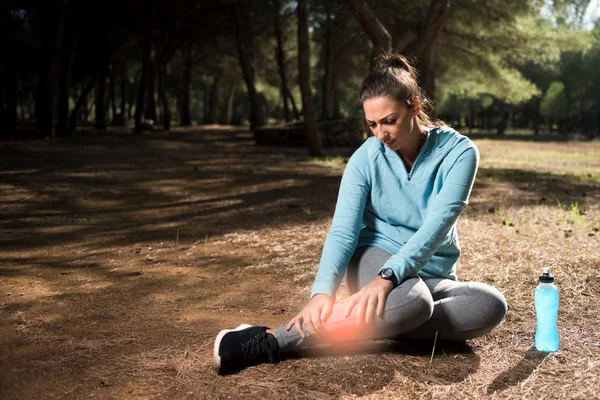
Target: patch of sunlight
(93, 174)
(492, 162)
(334, 162)
(47, 318)
(100, 203)
(167, 297)
(21, 171)
(284, 183)
(59, 229)
(16, 196)
(164, 185)
(585, 176)
(149, 213)
(577, 160)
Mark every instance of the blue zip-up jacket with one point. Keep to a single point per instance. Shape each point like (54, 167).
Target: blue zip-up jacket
(412, 216)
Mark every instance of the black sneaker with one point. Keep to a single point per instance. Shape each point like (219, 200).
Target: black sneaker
(244, 346)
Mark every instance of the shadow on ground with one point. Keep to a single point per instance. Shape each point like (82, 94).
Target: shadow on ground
(452, 362)
(115, 188)
(114, 268)
(521, 371)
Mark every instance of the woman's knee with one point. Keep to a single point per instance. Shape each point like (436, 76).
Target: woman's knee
(491, 304)
(471, 315)
(409, 305)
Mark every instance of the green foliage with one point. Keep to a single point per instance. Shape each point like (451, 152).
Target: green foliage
(493, 77)
(432, 352)
(492, 57)
(451, 104)
(306, 209)
(574, 214)
(554, 102)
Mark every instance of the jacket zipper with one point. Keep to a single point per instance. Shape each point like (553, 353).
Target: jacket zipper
(412, 170)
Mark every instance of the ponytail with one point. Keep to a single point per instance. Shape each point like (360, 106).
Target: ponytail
(393, 75)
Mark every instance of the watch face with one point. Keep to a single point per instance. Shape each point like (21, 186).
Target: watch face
(387, 273)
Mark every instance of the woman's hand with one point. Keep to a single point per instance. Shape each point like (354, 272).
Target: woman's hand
(370, 300)
(313, 315)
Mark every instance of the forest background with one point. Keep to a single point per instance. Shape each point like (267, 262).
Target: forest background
(489, 66)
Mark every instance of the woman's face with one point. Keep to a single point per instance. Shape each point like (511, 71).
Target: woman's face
(390, 121)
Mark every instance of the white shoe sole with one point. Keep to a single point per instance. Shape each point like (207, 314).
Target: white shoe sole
(220, 336)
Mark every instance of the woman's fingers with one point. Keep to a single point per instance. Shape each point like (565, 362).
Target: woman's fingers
(298, 327)
(317, 326)
(352, 300)
(326, 312)
(361, 308)
(371, 309)
(290, 324)
(296, 322)
(381, 304)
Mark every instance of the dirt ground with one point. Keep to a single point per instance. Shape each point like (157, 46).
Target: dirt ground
(121, 257)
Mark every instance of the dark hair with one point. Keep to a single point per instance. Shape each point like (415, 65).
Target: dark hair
(392, 75)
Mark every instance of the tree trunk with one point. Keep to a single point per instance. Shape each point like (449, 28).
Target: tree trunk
(427, 74)
(436, 18)
(131, 96)
(308, 106)
(21, 101)
(53, 20)
(123, 91)
(503, 124)
(206, 104)
(11, 90)
(472, 116)
(245, 57)
(423, 47)
(280, 55)
(229, 108)
(87, 108)
(337, 109)
(81, 101)
(294, 108)
(151, 95)
(69, 42)
(4, 130)
(3, 122)
(187, 76)
(535, 118)
(112, 93)
(214, 100)
(380, 38)
(139, 107)
(596, 130)
(328, 95)
(101, 100)
(162, 73)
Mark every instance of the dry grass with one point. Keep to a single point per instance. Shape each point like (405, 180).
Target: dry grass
(124, 256)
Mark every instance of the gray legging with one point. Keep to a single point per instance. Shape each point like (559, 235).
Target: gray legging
(415, 309)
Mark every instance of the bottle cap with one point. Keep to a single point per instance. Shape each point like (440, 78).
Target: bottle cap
(545, 277)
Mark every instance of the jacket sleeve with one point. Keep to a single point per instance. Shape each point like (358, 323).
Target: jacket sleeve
(444, 212)
(345, 228)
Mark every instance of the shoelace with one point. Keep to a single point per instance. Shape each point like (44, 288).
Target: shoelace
(255, 348)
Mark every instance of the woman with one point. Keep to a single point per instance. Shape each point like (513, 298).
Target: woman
(393, 234)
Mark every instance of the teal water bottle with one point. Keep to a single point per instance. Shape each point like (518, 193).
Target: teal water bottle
(546, 311)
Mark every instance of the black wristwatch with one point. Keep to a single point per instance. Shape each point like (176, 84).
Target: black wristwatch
(388, 275)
